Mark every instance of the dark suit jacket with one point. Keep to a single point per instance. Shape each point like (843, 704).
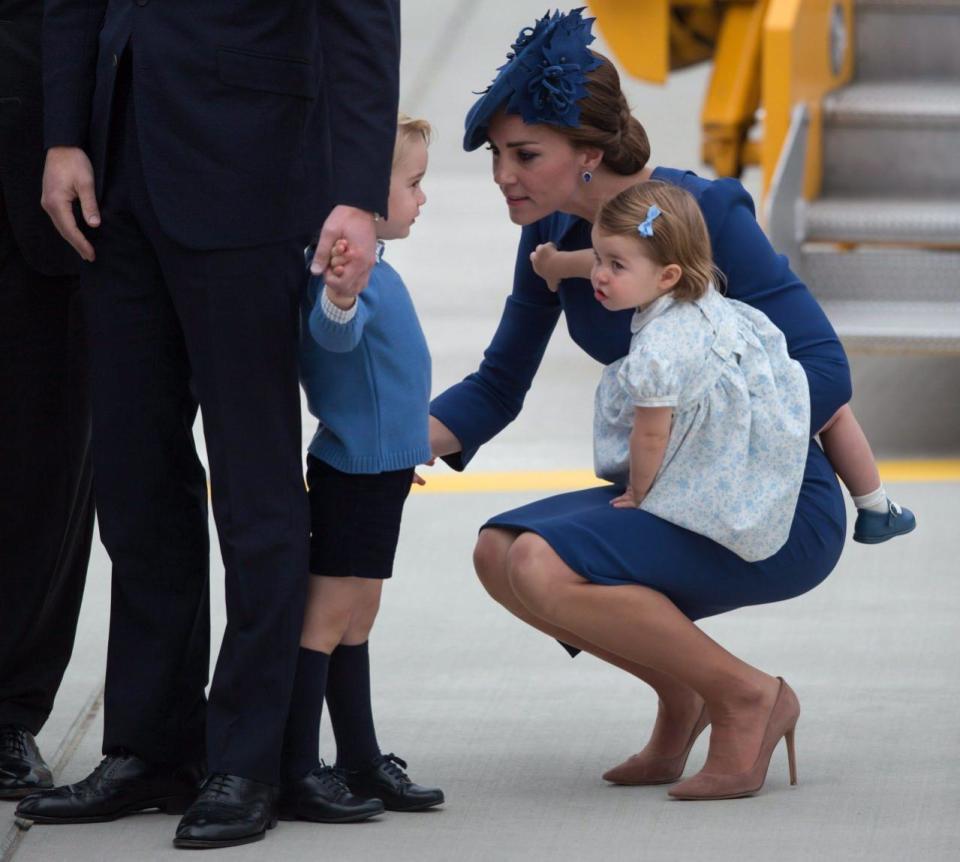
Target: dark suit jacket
(254, 116)
(21, 141)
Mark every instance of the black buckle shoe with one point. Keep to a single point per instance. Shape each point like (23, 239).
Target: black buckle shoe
(321, 796)
(122, 784)
(22, 767)
(230, 810)
(386, 780)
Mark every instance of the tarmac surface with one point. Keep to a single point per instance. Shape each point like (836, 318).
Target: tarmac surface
(515, 732)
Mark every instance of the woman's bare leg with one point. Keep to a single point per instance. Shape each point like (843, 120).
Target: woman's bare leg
(679, 705)
(645, 627)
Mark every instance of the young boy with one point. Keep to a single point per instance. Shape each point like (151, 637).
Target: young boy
(365, 369)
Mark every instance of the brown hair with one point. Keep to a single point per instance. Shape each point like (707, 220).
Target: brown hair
(410, 129)
(606, 122)
(679, 233)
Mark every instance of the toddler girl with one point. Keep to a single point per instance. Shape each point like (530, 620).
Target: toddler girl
(844, 442)
(365, 369)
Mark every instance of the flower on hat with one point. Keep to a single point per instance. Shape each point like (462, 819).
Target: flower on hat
(547, 68)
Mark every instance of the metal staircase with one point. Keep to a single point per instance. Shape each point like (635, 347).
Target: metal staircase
(880, 247)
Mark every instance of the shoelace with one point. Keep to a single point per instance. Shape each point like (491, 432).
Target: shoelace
(330, 780)
(216, 785)
(13, 740)
(392, 765)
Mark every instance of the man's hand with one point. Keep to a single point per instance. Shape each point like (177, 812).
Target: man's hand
(68, 176)
(357, 228)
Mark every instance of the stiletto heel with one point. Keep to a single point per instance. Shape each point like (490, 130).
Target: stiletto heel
(791, 754)
(639, 771)
(781, 724)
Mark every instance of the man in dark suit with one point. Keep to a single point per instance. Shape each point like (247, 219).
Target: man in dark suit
(46, 501)
(204, 144)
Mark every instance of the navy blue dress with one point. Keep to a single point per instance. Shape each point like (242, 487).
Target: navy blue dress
(630, 546)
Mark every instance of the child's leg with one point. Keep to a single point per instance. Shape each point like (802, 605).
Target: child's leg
(879, 518)
(327, 616)
(348, 683)
(850, 455)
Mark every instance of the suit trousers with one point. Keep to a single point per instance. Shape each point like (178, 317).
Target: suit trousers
(46, 498)
(170, 328)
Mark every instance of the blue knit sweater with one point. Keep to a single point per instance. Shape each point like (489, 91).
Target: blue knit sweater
(366, 374)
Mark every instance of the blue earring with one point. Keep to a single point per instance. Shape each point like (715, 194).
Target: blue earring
(587, 176)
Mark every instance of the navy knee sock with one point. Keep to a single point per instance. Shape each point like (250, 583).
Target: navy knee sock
(348, 698)
(301, 737)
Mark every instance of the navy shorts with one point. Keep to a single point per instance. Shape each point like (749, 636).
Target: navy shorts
(354, 520)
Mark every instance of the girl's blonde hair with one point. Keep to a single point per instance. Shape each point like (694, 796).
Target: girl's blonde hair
(679, 233)
(410, 129)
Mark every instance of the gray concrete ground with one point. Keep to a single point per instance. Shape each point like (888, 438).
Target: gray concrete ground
(515, 732)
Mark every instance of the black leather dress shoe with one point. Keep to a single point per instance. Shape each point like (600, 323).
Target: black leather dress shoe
(122, 784)
(386, 780)
(230, 810)
(22, 768)
(321, 796)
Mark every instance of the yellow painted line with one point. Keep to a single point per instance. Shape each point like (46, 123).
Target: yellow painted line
(941, 470)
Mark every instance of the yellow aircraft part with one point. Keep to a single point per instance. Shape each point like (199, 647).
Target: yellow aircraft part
(806, 54)
(651, 37)
(733, 96)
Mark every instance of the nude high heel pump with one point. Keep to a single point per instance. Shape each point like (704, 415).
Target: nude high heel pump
(641, 769)
(781, 724)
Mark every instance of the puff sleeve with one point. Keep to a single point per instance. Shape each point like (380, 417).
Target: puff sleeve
(650, 378)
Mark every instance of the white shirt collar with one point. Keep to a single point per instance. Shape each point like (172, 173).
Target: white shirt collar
(642, 316)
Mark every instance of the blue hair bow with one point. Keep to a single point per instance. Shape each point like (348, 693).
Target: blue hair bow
(645, 228)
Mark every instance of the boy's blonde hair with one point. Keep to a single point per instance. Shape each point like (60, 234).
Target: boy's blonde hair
(410, 129)
(679, 233)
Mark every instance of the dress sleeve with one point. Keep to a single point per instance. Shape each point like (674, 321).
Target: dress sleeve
(760, 277)
(484, 403)
(650, 378)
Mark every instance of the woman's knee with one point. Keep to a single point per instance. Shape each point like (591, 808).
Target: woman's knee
(840, 414)
(489, 560)
(530, 575)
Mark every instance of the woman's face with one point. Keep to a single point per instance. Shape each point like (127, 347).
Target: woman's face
(537, 169)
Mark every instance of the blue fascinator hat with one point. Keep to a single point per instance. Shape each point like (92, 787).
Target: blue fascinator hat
(543, 79)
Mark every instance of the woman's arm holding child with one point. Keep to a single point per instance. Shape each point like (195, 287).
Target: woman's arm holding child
(648, 443)
(553, 266)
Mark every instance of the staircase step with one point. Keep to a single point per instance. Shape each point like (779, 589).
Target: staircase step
(929, 103)
(916, 327)
(884, 220)
(881, 273)
(907, 39)
(913, 125)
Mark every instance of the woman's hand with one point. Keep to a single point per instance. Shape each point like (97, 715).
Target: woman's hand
(442, 440)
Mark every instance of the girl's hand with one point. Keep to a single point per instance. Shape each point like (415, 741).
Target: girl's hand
(543, 259)
(417, 478)
(626, 500)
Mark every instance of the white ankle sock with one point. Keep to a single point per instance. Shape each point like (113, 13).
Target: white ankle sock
(876, 501)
